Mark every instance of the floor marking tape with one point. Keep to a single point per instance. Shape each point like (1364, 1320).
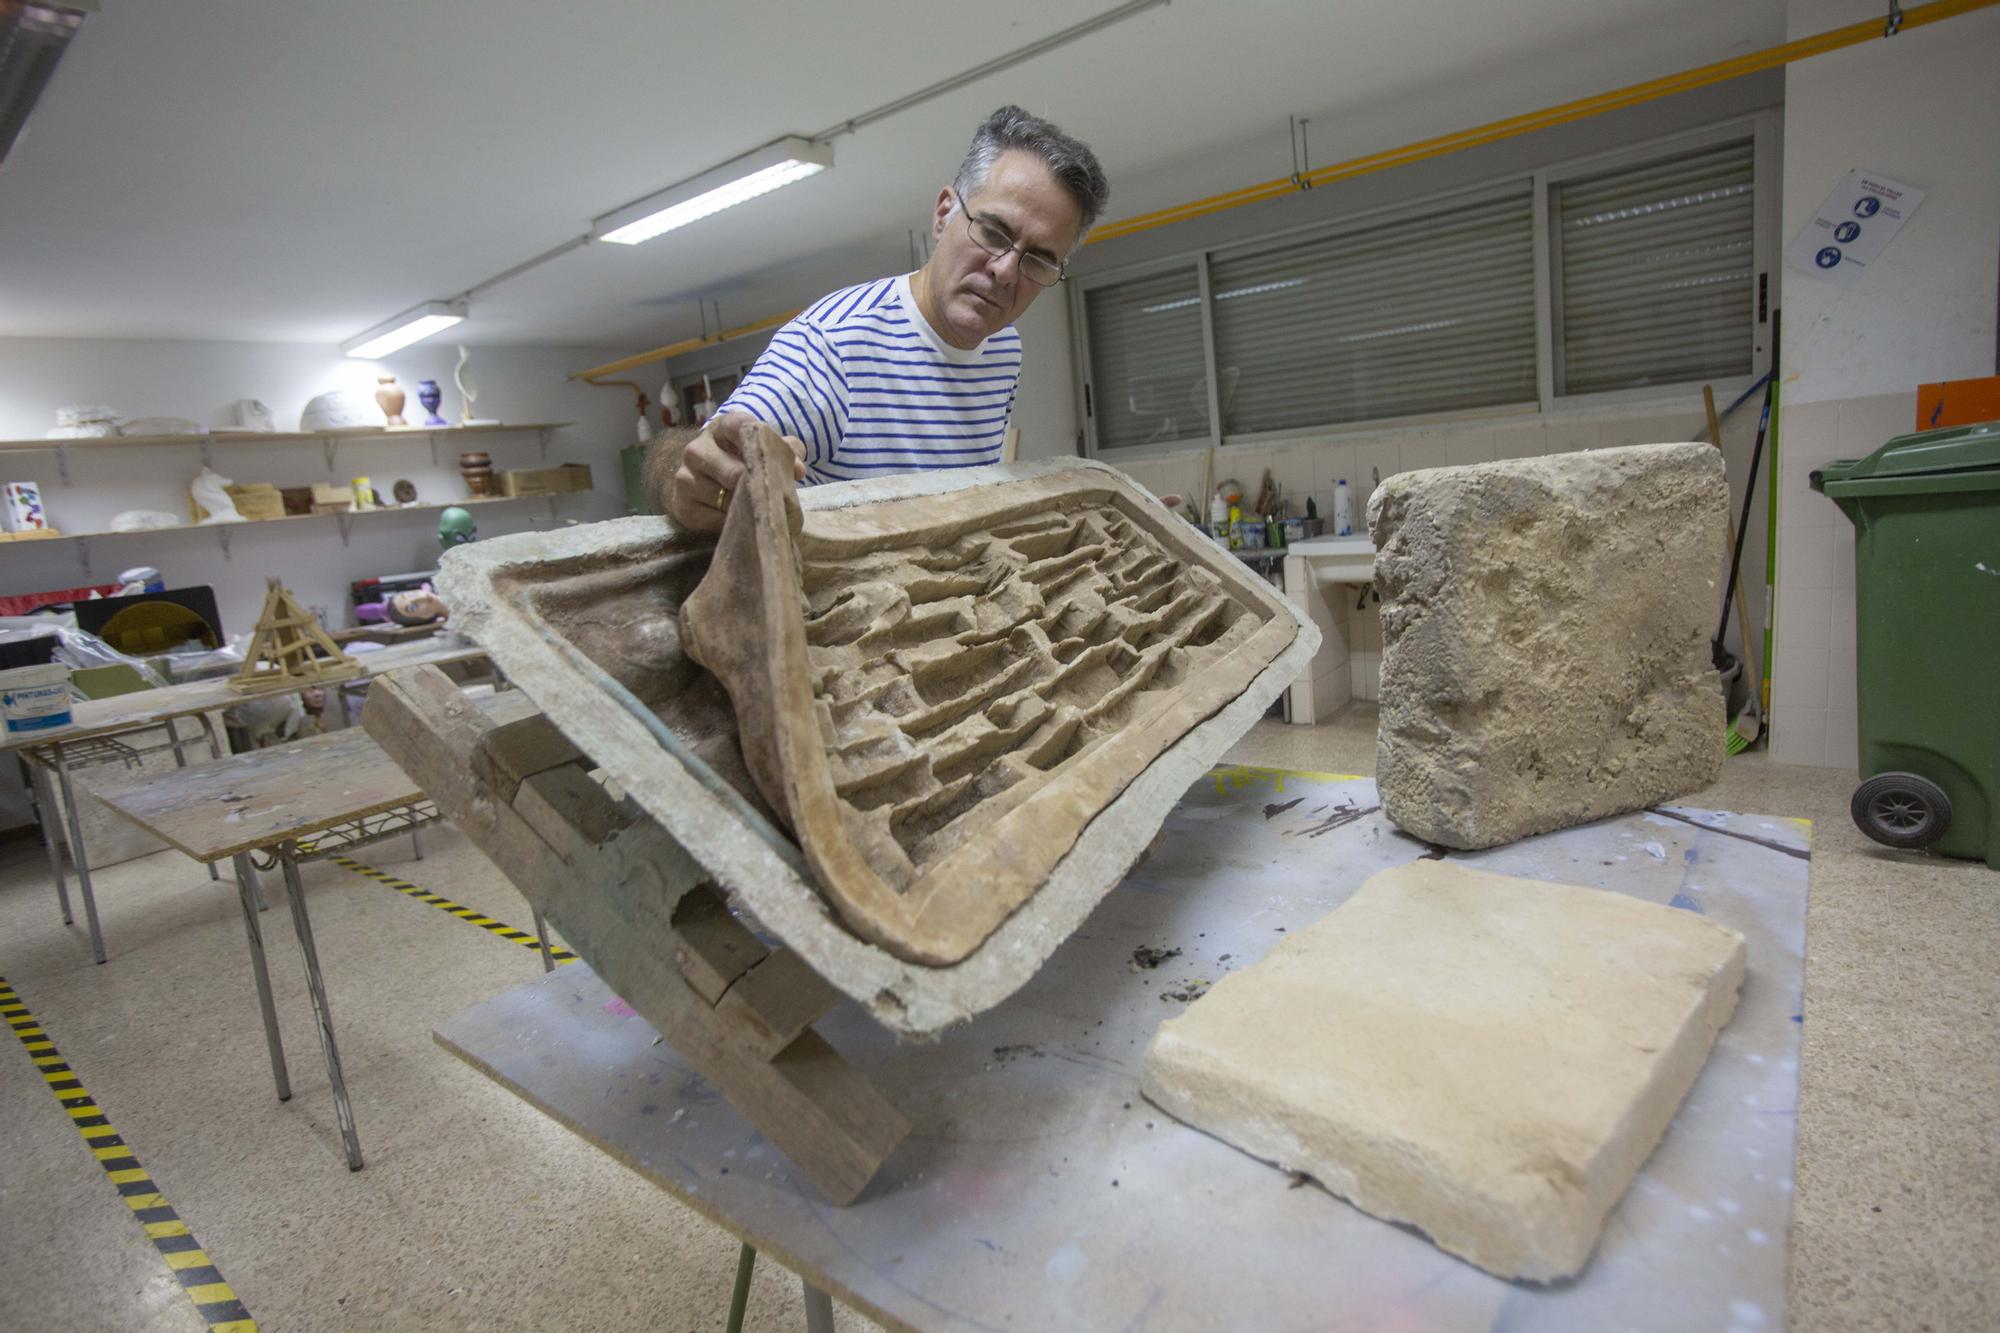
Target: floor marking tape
(214, 1300)
(525, 938)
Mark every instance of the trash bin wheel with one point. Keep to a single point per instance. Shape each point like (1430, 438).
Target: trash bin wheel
(1901, 810)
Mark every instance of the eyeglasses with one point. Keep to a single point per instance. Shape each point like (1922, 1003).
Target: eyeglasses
(997, 241)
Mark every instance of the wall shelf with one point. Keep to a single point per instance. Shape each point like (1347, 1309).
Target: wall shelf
(328, 440)
(224, 531)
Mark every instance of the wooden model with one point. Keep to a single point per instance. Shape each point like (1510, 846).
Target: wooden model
(290, 649)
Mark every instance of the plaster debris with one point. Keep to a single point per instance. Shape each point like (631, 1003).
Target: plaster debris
(1545, 639)
(1489, 1059)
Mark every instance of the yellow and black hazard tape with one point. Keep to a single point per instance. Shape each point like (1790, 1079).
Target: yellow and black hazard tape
(471, 916)
(214, 1300)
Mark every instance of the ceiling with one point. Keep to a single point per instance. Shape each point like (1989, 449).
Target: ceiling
(295, 171)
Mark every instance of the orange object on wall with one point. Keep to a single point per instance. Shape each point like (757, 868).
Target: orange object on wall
(1958, 403)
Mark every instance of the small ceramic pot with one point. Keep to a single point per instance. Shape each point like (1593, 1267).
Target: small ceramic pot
(477, 469)
(389, 396)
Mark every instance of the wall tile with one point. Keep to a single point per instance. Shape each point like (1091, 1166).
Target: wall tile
(1843, 746)
(1866, 424)
(1330, 694)
(1529, 440)
(1807, 557)
(1424, 451)
(1840, 678)
(1804, 616)
(1468, 446)
(1378, 457)
(1801, 673)
(1840, 623)
(1293, 469)
(1331, 462)
(1798, 735)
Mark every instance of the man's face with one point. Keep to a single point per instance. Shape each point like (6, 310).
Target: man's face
(978, 294)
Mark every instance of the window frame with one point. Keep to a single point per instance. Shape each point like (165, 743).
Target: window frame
(1763, 128)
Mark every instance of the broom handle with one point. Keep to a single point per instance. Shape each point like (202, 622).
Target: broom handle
(1742, 609)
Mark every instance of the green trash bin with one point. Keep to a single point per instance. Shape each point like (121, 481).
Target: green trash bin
(1926, 513)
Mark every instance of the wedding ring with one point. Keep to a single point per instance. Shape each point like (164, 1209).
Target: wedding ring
(722, 497)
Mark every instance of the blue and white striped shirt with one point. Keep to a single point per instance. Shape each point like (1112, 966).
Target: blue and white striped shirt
(869, 386)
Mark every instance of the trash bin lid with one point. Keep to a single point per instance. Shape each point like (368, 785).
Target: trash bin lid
(1956, 449)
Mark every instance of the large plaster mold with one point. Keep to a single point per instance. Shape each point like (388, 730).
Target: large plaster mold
(583, 619)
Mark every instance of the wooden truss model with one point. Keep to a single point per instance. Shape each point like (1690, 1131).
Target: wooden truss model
(290, 649)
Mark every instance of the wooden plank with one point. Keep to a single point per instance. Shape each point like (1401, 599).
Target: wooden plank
(521, 749)
(612, 894)
(776, 1000)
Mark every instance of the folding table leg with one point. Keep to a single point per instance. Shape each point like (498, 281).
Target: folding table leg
(417, 843)
(542, 937)
(819, 1309)
(246, 878)
(180, 761)
(77, 853)
(302, 923)
(45, 815)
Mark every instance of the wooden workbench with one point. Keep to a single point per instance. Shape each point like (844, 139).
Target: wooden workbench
(1038, 1189)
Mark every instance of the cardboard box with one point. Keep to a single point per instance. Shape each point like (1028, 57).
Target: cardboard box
(330, 499)
(545, 480)
(257, 500)
(1958, 403)
(22, 511)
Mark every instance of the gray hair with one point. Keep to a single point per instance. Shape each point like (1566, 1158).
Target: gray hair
(1069, 160)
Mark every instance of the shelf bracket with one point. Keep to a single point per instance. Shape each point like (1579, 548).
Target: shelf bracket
(346, 525)
(222, 535)
(62, 463)
(434, 448)
(332, 445)
(208, 451)
(545, 433)
(83, 554)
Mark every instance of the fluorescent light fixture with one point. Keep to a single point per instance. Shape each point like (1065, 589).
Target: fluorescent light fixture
(732, 183)
(413, 325)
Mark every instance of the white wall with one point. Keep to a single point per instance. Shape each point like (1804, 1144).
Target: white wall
(1921, 108)
(199, 380)
(1045, 407)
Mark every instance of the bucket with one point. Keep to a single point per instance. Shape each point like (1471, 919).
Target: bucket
(35, 698)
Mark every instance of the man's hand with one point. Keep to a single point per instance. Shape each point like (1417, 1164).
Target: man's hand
(711, 468)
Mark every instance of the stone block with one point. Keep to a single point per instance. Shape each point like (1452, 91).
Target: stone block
(1488, 1059)
(1545, 639)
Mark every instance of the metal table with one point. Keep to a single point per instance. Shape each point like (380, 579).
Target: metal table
(90, 740)
(282, 807)
(1038, 1189)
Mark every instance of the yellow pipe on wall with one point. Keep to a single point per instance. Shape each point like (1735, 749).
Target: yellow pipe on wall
(1651, 90)
(686, 345)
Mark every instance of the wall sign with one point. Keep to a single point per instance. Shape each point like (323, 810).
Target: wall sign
(1852, 227)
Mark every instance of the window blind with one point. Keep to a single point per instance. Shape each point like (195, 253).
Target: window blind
(1148, 374)
(1417, 315)
(1655, 266)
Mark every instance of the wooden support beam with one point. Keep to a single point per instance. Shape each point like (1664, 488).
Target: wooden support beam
(632, 904)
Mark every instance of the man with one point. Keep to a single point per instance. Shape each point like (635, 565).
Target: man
(916, 371)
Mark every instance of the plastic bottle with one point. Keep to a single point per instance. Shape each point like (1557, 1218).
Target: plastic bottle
(1343, 510)
(1218, 510)
(1235, 528)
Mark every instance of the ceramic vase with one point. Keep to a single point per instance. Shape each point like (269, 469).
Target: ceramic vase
(389, 397)
(430, 396)
(477, 469)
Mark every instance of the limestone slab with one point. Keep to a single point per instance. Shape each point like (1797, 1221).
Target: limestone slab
(1545, 639)
(1488, 1059)
(586, 621)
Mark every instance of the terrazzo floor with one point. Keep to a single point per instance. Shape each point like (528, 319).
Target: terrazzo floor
(476, 1212)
